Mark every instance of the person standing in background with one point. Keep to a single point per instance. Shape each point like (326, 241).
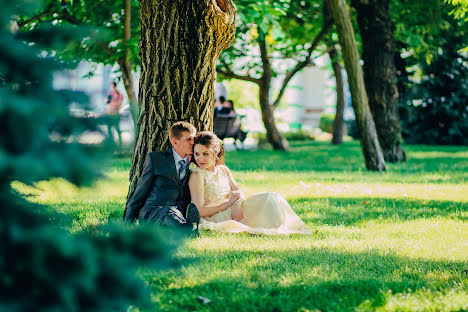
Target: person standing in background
(227, 109)
(112, 113)
(219, 104)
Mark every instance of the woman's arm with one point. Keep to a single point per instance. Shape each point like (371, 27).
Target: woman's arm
(197, 192)
(236, 212)
(234, 187)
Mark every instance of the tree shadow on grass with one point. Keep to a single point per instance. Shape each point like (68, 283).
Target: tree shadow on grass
(350, 211)
(299, 279)
(318, 157)
(441, 165)
(78, 216)
(302, 157)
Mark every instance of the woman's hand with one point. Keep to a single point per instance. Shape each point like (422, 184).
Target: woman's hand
(236, 210)
(234, 196)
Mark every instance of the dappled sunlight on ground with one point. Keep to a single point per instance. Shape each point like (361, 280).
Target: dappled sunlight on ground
(392, 241)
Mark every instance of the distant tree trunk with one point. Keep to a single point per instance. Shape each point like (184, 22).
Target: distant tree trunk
(338, 122)
(370, 144)
(273, 135)
(179, 46)
(127, 78)
(376, 30)
(126, 68)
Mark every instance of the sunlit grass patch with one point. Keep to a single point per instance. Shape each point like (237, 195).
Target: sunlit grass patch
(393, 241)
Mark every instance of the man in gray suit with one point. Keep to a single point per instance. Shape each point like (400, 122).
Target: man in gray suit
(162, 194)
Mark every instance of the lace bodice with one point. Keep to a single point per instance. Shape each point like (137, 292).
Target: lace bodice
(217, 189)
(217, 186)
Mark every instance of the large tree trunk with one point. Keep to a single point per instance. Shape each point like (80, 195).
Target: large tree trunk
(273, 135)
(376, 30)
(340, 104)
(180, 43)
(370, 144)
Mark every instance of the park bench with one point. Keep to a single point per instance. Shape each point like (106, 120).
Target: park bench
(229, 127)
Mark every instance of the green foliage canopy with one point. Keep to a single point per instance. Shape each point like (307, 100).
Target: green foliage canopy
(434, 111)
(103, 42)
(288, 29)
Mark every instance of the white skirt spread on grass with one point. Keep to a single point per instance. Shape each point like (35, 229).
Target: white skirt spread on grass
(264, 213)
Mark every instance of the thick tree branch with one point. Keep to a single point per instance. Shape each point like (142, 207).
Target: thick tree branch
(36, 17)
(62, 14)
(48, 11)
(300, 65)
(105, 47)
(65, 15)
(230, 74)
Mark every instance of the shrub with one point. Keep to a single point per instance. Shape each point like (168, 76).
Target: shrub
(435, 112)
(299, 135)
(44, 267)
(326, 122)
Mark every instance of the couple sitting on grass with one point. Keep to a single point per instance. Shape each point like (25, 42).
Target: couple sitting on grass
(189, 184)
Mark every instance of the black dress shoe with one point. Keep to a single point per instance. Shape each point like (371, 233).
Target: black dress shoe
(193, 216)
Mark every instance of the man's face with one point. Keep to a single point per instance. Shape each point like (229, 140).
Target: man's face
(184, 145)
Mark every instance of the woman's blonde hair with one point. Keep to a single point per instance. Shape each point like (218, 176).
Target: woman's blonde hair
(210, 140)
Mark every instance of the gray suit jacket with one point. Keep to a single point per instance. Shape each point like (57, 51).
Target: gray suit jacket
(159, 185)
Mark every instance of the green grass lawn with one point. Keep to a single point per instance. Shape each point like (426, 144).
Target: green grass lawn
(395, 241)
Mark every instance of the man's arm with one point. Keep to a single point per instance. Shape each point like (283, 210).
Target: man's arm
(141, 192)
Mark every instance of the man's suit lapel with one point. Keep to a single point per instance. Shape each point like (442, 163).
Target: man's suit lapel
(172, 166)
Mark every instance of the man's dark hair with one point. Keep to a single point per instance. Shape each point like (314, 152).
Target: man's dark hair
(114, 84)
(222, 99)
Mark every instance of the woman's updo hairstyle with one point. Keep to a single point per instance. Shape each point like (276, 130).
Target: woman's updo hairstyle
(210, 140)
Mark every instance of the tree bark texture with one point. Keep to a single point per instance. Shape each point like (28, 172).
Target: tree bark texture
(369, 141)
(338, 123)
(376, 29)
(273, 135)
(180, 43)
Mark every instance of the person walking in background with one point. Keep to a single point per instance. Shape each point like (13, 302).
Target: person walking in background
(112, 114)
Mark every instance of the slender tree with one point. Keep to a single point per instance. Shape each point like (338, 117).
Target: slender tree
(369, 141)
(179, 47)
(378, 50)
(338, 122)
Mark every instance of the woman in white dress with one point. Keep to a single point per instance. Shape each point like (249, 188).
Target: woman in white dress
(221, 203)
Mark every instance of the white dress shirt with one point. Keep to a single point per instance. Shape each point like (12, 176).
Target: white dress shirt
(177, 158)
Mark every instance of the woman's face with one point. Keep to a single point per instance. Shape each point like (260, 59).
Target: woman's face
(204, 157)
